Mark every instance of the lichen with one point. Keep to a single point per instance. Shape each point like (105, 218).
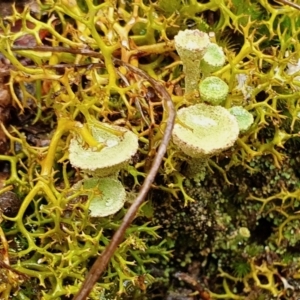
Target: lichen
(119, 147)
(105, 196)
(199, 215)
(213, 90)
(243, 117)
(204, 130)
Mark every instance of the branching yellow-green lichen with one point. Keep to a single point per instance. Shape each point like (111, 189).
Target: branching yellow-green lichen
(55, 236)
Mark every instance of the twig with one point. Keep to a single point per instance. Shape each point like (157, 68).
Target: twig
(3, 265)
(204, 295)
(136, 99)
(286, 2)
(87, 52)
(102, 261)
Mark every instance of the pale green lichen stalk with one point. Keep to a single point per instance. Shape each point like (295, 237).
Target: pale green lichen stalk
(191, 46)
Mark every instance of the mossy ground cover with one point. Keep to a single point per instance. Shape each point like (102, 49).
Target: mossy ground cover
(227, 230)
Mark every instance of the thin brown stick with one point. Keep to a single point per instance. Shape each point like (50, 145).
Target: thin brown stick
(102, 261)
(87, 52)
(204, 295)
(3, 265)
(294, 5)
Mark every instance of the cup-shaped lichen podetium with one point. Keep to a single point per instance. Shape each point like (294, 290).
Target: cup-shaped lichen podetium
(203, 131)
(118, 150)
(106, 196)
(191, 46)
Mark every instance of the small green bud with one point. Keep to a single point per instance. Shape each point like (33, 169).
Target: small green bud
(243, 117)
(213, 59)
(213, 90)
(244, 232)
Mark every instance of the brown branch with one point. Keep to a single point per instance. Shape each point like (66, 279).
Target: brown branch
(3, 265)
(204, 295)
(102, 261)
(286, 2)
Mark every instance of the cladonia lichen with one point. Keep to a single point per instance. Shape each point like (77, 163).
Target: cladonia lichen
(191, 46)
(208, 131)
(105, 196)
(203, 131)
(115, 155)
